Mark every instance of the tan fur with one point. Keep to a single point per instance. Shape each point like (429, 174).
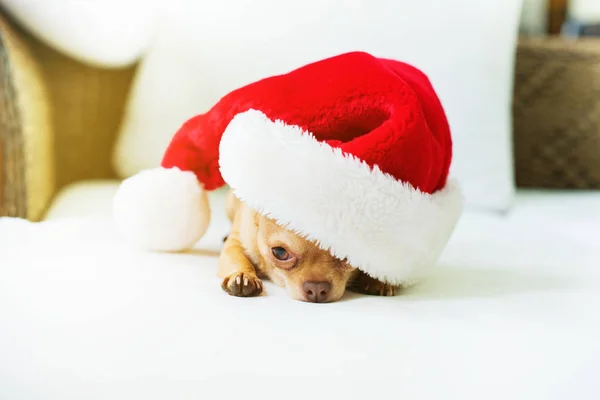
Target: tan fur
(247, 257)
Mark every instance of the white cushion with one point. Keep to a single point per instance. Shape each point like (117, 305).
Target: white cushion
(534, 17)
(108, 33)
(585, 11)
(511, 313)
(204, 50)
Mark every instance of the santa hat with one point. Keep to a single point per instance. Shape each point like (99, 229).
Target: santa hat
(352, 152)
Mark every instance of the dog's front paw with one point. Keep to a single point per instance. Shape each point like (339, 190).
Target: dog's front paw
(367, 285)
(242, 284)
(377, 288)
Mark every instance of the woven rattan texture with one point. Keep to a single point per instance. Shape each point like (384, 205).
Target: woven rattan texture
(557, 114)
(12, 158)
(88, 105)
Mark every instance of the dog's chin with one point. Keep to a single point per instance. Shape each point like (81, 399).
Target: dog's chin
(296, 293)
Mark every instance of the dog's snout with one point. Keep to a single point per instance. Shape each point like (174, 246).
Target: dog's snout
(316, 292)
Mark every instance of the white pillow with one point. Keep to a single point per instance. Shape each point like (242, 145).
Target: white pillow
(534, 16)
(108, 33)
(206, 49)
(585, 11)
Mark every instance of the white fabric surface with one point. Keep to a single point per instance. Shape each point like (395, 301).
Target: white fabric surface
(512, 313)
(534, 17)
(586, 11)
(203, 50)
(107, 33)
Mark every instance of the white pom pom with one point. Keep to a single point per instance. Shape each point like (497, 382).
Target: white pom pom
(162, 209)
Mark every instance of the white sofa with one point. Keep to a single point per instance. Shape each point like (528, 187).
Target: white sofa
(512, 312)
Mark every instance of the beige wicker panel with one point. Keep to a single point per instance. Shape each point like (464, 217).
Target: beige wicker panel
(12, 164)
(28, 168)
(557, 113)
(88, 104)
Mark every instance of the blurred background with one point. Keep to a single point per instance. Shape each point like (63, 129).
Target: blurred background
(93, 91)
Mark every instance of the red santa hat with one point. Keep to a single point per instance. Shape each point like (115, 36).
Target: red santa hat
(352, 152)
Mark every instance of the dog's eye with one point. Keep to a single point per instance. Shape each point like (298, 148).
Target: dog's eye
(280, 253)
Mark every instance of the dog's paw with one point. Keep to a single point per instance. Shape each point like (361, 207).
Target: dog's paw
(367, 285)
(242, 284)
(377, 288)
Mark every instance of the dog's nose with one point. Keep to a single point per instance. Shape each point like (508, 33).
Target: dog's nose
(316, 292)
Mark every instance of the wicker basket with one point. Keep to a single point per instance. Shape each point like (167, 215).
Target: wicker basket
(557, 113)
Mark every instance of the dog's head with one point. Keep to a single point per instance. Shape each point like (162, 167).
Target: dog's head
(308, 272)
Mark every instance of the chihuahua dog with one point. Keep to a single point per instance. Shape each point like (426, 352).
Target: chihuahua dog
(257, 247)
